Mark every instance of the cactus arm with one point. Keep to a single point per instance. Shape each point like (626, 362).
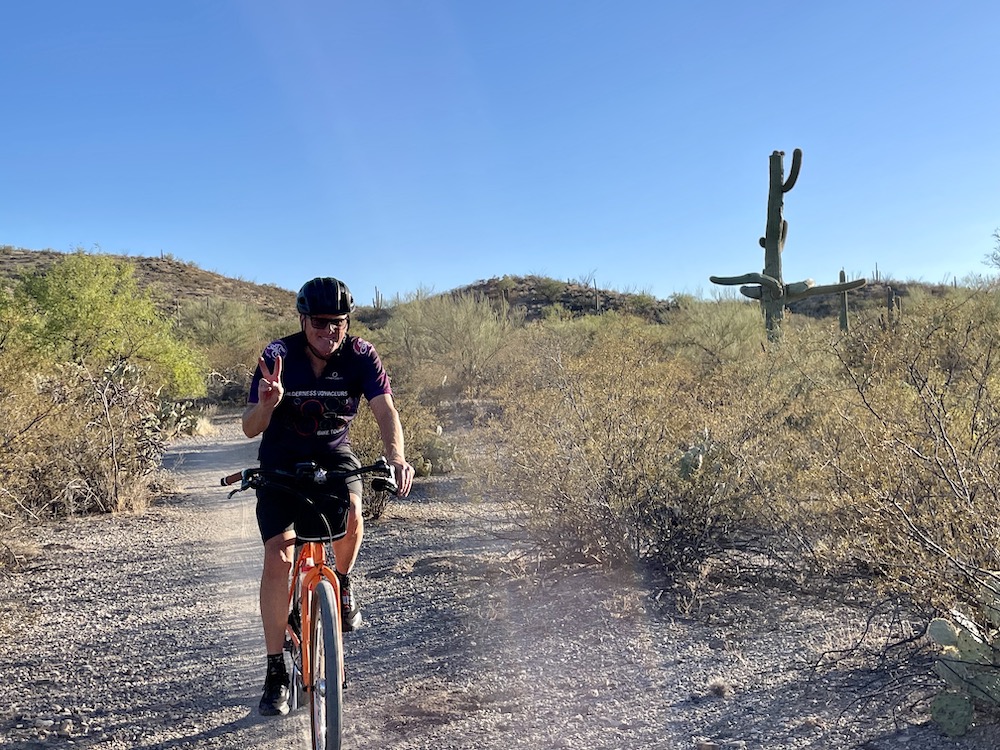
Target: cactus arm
(942, 632)
(753, 292)
(793, 175)
(799, 287)
(797, 291)
(749, 278)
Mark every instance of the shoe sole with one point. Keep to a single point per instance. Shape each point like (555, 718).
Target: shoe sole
(350, 624)
(281, 710)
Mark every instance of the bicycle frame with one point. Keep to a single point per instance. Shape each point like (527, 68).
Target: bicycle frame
(309, 570)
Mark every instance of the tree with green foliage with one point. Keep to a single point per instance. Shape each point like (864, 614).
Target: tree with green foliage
(88, 309)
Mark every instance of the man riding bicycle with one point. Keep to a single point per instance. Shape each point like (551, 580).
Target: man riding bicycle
(304, 394)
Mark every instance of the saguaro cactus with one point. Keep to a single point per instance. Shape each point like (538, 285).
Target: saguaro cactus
(769, 287)
(845, 323)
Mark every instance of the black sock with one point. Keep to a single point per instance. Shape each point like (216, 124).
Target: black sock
(276, 663)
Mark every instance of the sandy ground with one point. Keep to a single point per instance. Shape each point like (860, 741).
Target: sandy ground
(141, 631)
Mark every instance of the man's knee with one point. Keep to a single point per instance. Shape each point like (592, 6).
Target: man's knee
(279, 552)
(355, 517)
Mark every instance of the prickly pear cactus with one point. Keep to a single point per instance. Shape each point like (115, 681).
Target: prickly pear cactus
(693, 458)
(989, 599)
(952, 712)
(969, 662)
(942, 632)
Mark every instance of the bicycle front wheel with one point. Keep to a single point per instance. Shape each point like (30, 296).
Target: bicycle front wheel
(327, 668)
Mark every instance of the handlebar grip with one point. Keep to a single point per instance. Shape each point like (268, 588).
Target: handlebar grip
(232, 479)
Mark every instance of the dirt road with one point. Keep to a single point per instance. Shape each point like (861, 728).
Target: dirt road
(142, 632)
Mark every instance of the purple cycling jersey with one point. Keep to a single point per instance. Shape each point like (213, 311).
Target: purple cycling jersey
(314, 417)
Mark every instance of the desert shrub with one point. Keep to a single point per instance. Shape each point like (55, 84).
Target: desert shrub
(74, 441)
(606, 449)
(642, 304)
(556, 312)
(231, 334)
(550, 289)
(916, 464)
(720, 331)
(441, 344)
(419, 431)
(89, 364)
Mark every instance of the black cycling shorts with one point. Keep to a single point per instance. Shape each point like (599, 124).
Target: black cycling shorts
(277, 512)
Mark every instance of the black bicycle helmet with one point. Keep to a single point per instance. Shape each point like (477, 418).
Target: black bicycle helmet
(324, 296)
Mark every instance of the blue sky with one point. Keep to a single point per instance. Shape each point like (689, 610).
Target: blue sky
(426, 144)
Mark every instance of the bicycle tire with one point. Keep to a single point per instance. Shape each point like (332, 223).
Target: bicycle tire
(326, 696)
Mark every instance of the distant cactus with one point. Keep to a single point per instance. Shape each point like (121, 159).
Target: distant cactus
(845, 323)
(893, 306)
(438, 455)
(692, 459)
(769, 287)
(969, 662)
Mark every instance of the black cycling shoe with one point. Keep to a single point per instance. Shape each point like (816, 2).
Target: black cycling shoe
(350, 610)
(274, 702)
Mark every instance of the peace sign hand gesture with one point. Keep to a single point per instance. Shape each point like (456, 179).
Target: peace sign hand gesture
(270, 390)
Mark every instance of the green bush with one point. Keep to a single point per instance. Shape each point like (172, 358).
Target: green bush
(231, 335)
(88, 309)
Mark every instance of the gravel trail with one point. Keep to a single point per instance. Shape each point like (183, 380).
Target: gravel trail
(142, 631)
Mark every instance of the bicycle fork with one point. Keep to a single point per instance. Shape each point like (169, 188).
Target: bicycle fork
(307, 575)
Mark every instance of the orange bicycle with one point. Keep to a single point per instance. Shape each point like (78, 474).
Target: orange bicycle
(313, 636)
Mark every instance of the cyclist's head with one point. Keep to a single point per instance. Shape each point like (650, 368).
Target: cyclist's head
(324, 296)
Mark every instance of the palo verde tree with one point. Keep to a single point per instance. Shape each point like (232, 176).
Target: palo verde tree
(89, 310)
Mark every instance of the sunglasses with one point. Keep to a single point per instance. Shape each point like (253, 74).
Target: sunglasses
(321, 324)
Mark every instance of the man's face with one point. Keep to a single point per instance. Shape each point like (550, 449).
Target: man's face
(325, 333)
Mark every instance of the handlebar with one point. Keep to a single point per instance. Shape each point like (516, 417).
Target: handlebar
(383, 476)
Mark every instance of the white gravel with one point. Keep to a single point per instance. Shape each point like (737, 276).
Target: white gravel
(141, 631)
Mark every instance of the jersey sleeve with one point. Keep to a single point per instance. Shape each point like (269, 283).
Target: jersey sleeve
(374, 380)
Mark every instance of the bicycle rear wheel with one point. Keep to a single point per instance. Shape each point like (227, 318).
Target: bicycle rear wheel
(327, 668)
